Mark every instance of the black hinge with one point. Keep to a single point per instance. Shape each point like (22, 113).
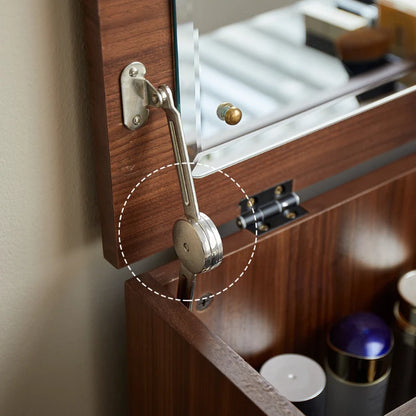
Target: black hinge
(270, 209)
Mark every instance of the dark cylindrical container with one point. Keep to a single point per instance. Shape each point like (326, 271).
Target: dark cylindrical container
(300, 379)
(402, 385)
(358, 365)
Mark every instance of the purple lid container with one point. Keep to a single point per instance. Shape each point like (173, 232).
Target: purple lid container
(360, 347)
(362, 334)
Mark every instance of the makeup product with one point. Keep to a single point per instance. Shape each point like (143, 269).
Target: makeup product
(300, 379)
(402, 384)
(358, 365)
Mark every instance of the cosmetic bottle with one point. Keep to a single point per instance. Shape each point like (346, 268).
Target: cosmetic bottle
(358, 365)
(300, 379)
(402, 384)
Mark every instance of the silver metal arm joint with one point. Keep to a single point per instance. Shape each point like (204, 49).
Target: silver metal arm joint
(183, 165)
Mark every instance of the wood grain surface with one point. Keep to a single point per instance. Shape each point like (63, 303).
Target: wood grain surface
(121, 31)
(346, 256)
(177, 367)
(408, 409)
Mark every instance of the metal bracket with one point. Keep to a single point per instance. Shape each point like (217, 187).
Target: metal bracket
(197, 241)
(273, 208)
(137, 94)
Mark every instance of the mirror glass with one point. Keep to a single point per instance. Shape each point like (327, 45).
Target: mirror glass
(287, 67)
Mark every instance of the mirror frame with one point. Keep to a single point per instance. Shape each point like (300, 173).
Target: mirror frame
(117, 33)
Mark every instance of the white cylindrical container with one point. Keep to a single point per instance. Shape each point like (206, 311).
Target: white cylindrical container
(358, 365)
(300, 379)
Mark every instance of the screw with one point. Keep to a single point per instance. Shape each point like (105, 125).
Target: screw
(133, 71)
(204, 301)
(251, 202)
(186, 247)
(155, 99)
(279, 190)
(263, 227)
(136, 120)
(290, 215)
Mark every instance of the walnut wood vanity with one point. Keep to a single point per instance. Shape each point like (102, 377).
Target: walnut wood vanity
(345, 255)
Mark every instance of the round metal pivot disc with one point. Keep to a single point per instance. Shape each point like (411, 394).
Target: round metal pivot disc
(197, 244)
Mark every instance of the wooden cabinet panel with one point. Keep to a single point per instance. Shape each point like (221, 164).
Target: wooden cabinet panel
(342, 258)
(177, 367)
(334, 262)
(407, 409)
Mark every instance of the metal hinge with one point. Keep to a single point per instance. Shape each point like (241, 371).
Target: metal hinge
(270, 209)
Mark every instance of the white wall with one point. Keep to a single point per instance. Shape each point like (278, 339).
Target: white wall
(62, 340)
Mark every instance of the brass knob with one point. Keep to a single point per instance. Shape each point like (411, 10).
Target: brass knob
(230, 114)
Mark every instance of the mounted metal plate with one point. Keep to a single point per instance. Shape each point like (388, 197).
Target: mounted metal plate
(272, 208)
(136, 95)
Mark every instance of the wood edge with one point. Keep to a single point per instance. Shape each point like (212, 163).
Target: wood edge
(98, 111)
(407, 409)
(212, 348)
(332, 134)
(364, 184)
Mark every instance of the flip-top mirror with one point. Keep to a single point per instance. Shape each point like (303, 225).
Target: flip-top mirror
(285, 68)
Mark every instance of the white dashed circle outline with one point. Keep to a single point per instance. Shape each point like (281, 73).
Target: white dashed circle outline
(138, 277)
